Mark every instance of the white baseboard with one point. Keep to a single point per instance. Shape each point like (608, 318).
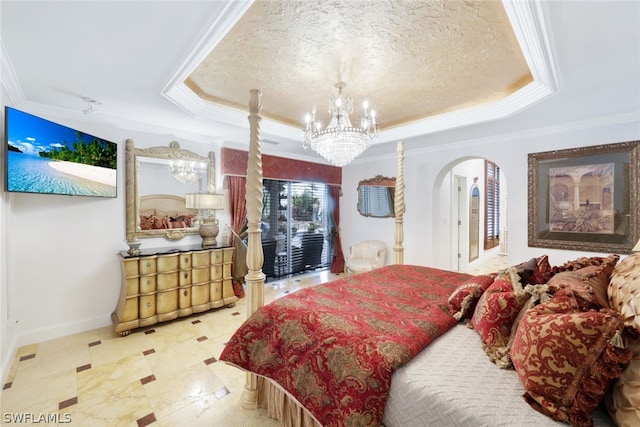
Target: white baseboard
(38, 335)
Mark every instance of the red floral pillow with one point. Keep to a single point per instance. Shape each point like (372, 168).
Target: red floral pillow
(565, 359)
(462, 302)
(495, 316)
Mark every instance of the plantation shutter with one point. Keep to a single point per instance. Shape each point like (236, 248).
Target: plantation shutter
(492, 205)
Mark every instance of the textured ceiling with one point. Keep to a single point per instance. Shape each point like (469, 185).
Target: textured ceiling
(410, 59)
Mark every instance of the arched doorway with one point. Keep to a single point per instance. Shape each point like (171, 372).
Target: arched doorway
(452, 214)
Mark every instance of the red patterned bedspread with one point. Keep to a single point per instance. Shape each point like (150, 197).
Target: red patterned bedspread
(335, 346)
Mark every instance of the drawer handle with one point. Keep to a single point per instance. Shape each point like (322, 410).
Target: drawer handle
(186, 275)
(148, 281)
(148, 264)
(148, 304)
(186, 293)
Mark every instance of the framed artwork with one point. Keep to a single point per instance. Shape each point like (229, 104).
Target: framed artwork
(585, 199)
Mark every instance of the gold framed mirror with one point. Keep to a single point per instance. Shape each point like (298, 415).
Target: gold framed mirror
(157, 180)
(376, 197)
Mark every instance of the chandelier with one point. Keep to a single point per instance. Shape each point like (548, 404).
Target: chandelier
(340, 142)
(186, 171)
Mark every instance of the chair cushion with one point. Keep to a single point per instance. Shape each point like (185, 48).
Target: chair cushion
(360, 265)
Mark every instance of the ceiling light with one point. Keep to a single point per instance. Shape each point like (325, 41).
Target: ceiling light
(91, 105)
(340, 142)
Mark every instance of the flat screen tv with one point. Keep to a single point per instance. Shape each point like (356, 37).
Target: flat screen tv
(48, 158)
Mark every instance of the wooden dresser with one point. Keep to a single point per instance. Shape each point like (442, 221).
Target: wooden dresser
(163, 284)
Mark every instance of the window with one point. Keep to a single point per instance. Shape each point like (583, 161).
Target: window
(492, 205)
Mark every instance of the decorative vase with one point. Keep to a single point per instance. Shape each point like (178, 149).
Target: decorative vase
(134, 247)
(209, 231)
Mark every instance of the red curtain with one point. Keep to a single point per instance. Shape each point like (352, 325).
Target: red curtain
(237, 186)
(337, 263)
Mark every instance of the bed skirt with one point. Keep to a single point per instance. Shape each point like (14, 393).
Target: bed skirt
(281, 406)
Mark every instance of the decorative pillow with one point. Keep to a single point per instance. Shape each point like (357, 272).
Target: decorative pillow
(462, 302)
(588, 284)
(582, 262)
(496, 314)
(543, 271)
(566, 360)
(624, 289)
(624, 296)
(525, 270)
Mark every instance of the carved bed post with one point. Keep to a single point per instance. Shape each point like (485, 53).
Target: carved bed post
(254, 278)
(399, 206)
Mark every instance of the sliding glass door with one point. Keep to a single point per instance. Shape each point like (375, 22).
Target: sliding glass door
(296, 224)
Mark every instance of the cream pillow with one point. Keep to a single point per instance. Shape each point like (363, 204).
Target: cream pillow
(624, 289)
(623, 402)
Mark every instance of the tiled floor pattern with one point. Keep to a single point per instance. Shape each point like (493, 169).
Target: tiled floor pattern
(164, 375)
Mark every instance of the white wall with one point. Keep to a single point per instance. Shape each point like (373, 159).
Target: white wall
(427, 221)
(7, 333)
(63, 275)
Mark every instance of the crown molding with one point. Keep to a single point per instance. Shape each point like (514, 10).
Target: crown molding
(10, 82)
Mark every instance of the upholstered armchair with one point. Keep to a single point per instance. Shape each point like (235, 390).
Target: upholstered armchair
(365, 256)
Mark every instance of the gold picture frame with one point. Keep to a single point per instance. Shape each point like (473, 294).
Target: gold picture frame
(586, 198)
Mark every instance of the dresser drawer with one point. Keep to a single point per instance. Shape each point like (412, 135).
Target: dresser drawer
(148, 265)
(184, 277)
(200, 294)
(147, 284)
(147, 306)
(216, 272)
(167, 280)
(167, 301)
(216, 256)
(228, 255)
(227, 290)
(200, 275)
(185, 261)
(130, 267)
(200, 259)
(216, 291)
(184, 297)
(226, 271)
(169, 262)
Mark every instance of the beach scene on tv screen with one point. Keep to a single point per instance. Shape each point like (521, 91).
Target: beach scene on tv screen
(46, 157)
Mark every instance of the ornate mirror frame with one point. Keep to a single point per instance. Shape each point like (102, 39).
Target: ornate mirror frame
(377, 181)
(172, 152)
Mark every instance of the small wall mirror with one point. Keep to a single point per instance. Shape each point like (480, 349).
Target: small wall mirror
(376, 197)
(157, 180)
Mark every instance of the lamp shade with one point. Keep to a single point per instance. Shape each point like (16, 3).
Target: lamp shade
(636, 248)
(204, 201)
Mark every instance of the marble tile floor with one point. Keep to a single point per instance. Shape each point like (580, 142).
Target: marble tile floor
(165, 374)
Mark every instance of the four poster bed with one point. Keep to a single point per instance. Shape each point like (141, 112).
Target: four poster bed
(326, 355)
